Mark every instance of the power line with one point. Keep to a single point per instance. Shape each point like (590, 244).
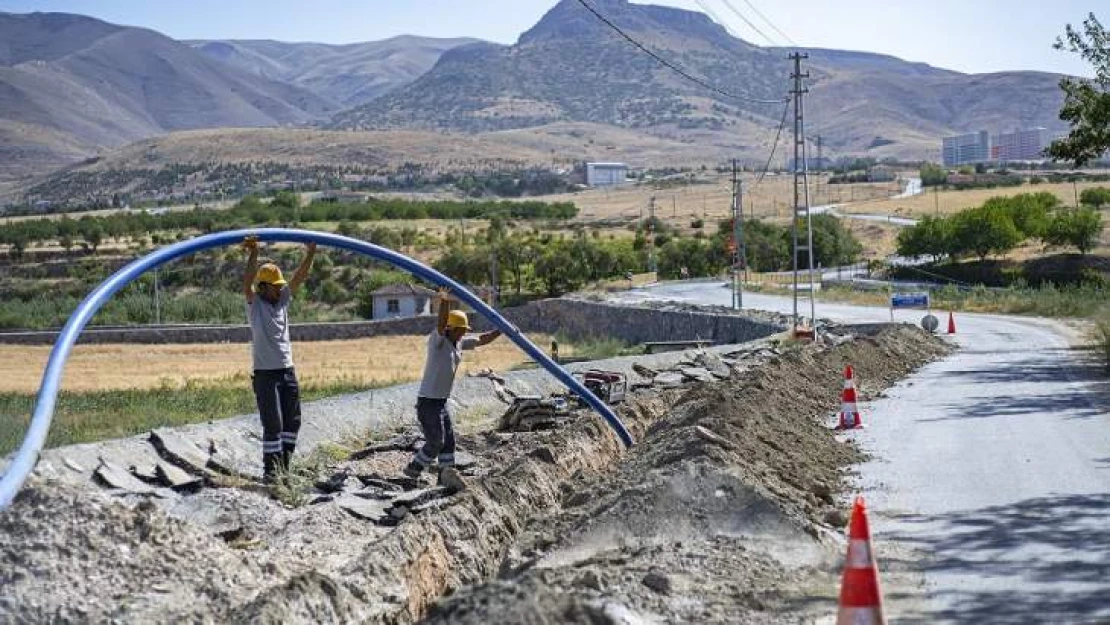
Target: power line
(716, 18)
(746, 20)
(770, 23)
(771, 156)
(675, 68)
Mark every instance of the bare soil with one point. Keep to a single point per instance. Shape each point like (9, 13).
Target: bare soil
(728, 509)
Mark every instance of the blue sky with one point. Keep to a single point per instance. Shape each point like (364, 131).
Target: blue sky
(965, 35)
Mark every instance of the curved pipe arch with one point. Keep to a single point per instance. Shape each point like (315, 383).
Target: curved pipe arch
(27, 456)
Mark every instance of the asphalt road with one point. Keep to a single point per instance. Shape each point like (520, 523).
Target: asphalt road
(991, 473)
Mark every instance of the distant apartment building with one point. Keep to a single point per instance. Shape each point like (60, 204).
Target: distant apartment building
(605, 174)
(1020, 145)
(966, 149)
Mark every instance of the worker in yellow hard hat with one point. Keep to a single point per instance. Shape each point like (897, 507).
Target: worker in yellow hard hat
(445, 347)
(274, 380)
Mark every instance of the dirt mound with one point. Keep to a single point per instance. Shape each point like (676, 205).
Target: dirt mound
(726, 512)
(719, 514)
(74, 555)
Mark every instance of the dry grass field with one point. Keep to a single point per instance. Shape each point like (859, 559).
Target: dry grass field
(372, 361)
(711, 198)
(946, 202)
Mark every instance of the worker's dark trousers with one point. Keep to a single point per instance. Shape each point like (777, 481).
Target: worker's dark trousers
(279, 405)
(439, 433)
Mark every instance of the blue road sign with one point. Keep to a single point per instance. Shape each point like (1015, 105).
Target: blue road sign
(909, 300)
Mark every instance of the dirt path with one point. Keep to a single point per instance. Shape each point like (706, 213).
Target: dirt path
(728, 510)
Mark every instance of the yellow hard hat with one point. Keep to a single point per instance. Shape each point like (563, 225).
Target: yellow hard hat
(457, 319)
(270, 274)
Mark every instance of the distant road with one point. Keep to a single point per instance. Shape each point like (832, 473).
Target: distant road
(913, 187)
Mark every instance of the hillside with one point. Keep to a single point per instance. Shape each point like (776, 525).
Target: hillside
(571, 67)
(71, 84)
(185, 163)
(350, 74)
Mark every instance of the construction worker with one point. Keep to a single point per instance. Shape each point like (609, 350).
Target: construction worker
(445, 347)
(274, 380)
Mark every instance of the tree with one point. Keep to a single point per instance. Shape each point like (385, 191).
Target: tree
(558, 270)
(94, 236)
(1028, 211)
(465, 264)
(833, 244)
(930, 237)
(694, 254)
(1079, 228)
(1086, 102)
(983, 231)
(1095, 197)
(18, 241)
(933, 174)
(767, 247)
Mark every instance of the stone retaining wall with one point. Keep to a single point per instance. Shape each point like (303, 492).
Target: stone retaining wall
(572, 318)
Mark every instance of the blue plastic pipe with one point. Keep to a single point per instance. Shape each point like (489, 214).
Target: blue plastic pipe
(33, 441)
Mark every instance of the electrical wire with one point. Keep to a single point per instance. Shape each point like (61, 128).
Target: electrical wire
(716, 18)
(774, 146)
(674, 68)
(746, 20)
(770, 23)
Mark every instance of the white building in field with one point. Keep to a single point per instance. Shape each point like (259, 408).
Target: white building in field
(401, 300)
(605, 174)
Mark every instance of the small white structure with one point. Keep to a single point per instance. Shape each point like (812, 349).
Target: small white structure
(605, 174)
(401, 300)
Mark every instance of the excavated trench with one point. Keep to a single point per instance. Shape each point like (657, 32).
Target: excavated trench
(728, 510)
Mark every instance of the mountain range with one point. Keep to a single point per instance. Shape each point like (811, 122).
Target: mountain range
(348, 75)
(72, 87)
(572, 67)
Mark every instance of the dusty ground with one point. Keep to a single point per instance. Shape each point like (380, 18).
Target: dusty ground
(373, 361)
(727, 510)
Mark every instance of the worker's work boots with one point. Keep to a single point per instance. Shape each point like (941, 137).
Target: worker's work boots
(413, 470)
(450, 479)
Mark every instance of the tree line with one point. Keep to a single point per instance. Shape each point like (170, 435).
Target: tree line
(252, 211)
(518, 262)
(1000, 225)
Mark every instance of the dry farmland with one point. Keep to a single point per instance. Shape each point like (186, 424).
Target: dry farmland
(371, 361)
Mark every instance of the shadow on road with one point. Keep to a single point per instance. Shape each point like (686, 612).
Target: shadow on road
(1044, 560)
(1092, 399)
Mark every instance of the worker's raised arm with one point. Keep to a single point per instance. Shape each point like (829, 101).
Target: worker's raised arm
(250, 244)
(301, 274)
(445, 299)
(486, 338)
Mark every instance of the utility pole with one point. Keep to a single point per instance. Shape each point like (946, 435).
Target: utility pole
(820, 168)
(803, 242)
(738, 250)
(936, 200)
(651, 235)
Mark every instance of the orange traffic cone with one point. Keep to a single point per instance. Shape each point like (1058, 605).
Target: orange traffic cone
(849, 412)
(951, 323)
(861, 600)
